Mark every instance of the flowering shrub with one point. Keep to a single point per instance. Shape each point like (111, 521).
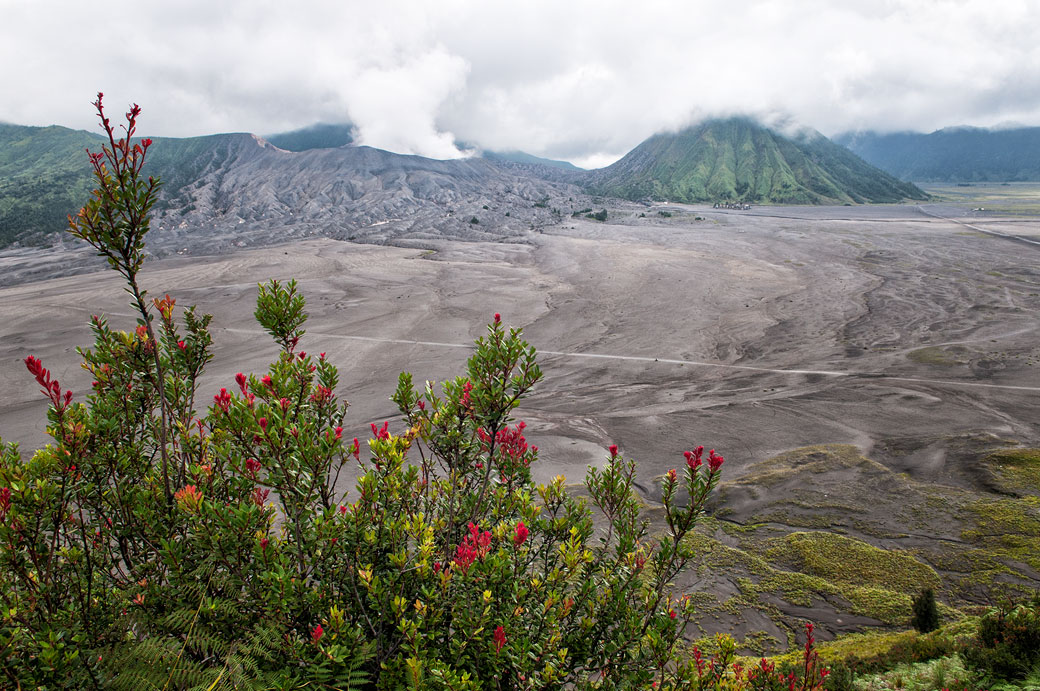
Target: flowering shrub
(1007, 642)
(152, 544)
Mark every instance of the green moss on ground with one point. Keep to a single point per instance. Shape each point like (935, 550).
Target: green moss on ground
(1019, 469)
(933, 355)
(847, 560)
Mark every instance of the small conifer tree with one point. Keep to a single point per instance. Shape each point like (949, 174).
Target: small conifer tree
(926, 614)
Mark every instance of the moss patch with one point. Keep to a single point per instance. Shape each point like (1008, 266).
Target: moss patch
(848, 560)
(1019, 469)
(935, 356)
(810, 461)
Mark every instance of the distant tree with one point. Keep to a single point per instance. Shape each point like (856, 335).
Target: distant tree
(474, 220)
(926, 614)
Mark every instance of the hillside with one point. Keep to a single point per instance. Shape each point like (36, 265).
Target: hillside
(739, 160)
(44, 175)
(954, 154)
(238, 189)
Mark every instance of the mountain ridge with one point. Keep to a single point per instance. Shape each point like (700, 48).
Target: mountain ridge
(952, 154)
(227, 189)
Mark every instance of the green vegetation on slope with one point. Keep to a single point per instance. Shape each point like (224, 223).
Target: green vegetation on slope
(44, 176)
(954, 154)
(739, 160)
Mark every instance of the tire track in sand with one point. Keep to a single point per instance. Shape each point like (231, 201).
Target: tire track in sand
(671, 361)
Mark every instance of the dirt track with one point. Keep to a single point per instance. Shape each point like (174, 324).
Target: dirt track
(751, 332)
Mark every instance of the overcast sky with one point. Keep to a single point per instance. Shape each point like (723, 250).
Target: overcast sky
(578, 80)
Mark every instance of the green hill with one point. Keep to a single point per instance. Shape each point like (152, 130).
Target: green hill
(44, 175)
(739, 160)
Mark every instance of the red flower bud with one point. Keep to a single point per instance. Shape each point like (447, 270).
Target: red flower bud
(317, 633)
(613, 450)
(520, 536)
(242, 381)
(500, 635)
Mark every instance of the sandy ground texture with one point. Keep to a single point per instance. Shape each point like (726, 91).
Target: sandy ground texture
(899, 330)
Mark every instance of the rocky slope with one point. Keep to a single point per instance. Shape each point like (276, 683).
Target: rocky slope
(238, 189)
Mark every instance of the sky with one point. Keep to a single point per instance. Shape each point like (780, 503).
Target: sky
(579, 80)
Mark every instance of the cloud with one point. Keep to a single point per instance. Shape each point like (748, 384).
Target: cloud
(584, 80)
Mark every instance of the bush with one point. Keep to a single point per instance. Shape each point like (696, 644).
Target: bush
(926, 613)
(153, 545)
(1007, 644)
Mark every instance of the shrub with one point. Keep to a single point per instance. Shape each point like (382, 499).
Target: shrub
(153, 545)
(926, 613)
(1007, 644)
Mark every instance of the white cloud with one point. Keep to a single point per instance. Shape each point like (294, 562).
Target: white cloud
(584, 80)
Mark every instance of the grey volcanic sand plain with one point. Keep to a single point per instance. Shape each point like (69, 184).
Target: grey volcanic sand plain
(899, 332)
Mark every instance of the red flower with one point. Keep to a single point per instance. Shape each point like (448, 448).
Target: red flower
(223, 400)
(182, 345)
(475, 545)
(521, 534)
(284, 403)
(252, 466)
(672, 475)
(498, 320)
(264, 542)
(263, 423)
(500, 634)
(317, 633)
(242, 381)
(266, 381)
(693, 458)
(381, 433)
(714, 460)
(613, 450)
(672, 613)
